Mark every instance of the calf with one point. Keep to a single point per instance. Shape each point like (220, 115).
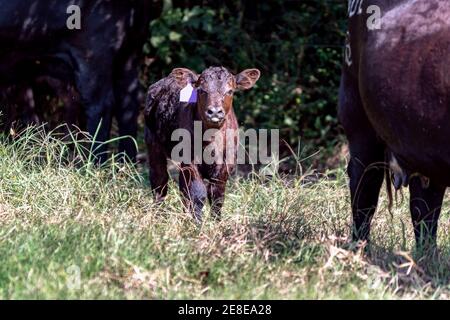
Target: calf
(213, 108)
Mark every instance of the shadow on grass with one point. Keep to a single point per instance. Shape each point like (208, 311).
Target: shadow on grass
(413, 269)
(293, 237)
(279, 237)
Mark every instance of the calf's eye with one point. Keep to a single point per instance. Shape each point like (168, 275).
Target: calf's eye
(229, 93)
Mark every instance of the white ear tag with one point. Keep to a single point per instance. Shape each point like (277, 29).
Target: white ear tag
(188, 94)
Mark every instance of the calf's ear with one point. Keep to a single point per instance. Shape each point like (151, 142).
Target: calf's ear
(184, 76)
(247, 79)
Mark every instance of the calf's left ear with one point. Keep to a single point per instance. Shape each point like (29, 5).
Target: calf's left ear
(247, 79)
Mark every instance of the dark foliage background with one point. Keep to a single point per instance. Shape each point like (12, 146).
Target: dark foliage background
(298, 46)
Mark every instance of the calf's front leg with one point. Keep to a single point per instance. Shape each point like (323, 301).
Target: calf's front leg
(193, 190)
(216, 197)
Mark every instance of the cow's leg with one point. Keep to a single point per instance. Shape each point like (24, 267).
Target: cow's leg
(216, 196)
(70, 98)
(193, 190)
(72, 106)
(425, 205)
(126, 112)
(158, 174)
(97, 97)
(99, 117)
(366, 172)
(366, 166)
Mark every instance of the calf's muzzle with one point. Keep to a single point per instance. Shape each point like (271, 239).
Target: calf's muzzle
(215, 114)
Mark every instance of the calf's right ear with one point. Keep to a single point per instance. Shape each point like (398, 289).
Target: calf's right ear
(184, 76)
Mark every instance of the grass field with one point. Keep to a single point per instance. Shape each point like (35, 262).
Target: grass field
(71, 231)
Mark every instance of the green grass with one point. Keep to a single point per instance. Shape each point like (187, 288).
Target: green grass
(279, 238)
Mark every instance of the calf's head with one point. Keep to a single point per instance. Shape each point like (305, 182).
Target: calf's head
(215, 89)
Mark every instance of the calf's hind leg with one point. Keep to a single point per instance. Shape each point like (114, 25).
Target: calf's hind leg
(159, 177)
(425, 205)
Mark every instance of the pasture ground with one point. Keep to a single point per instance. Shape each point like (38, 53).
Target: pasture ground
(278, 239)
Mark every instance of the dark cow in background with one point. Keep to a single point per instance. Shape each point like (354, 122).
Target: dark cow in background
(44, 100)
(213, 108)
(99, 60)
(17, 105)
(395, 104)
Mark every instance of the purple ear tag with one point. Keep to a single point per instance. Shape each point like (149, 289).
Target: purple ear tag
(188, 94)
(193, 98)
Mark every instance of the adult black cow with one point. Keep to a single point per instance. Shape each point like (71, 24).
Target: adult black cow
(100, 58)
(395, 99)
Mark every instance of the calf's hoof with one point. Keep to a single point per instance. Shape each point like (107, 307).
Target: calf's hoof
(217, 216)
(198, 217)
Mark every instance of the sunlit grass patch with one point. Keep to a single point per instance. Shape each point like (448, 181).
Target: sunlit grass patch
(69, 229)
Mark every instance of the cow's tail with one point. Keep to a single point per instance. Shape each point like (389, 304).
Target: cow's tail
(387, 175)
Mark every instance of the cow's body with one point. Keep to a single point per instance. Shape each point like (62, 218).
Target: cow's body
(100, 59)
(395, 97)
